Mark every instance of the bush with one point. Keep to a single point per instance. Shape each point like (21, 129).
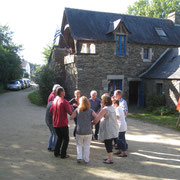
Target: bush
(164, 110)
(44, 76)
(155, 101)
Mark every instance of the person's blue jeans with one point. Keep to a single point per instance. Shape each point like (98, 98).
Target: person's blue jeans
(121, 141)
(52, 138)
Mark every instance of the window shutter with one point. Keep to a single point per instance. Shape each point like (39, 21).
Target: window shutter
(142, 53)
(150, 54)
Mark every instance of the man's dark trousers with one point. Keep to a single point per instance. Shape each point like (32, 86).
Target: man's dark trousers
(62, 142)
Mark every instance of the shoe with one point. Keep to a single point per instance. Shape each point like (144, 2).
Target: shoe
(56, 154)
(108, 162)
(122, 155)
(64, 157)
(49, 149)
(117, 153)
(79, 160)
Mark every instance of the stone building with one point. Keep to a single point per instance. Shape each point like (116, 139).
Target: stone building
(107, 51)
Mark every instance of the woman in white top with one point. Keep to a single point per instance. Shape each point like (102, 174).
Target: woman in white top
(108, 126)
(121, 140)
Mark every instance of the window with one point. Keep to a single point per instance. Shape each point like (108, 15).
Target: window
(88, 48)
(146, 53)
(114, 85)
(120, 44)
(159, 88)
(160, 32)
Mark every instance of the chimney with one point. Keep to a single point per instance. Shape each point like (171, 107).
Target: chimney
(175, 17)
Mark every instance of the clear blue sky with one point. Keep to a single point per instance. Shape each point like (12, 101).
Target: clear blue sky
(34, 21)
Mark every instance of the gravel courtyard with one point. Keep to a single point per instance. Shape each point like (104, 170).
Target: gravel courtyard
(154, 152)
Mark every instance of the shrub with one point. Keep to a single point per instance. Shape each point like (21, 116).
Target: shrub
(44, 76)
(155, 101)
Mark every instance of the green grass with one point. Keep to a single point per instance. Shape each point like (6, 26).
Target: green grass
(2, 90)
(35, 98)
(168, 121)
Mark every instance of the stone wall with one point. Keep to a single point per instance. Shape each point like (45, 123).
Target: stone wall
(57, 64)
(93, 71)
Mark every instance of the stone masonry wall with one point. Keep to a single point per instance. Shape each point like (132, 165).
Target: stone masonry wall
(57, 64)
(92, 70)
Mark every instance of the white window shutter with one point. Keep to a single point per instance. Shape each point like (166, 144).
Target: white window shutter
(142, 53)
(150, 54)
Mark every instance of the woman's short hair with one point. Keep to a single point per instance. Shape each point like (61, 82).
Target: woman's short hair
(105, 94)
(84, 103)
(106, 101)
(77, 91)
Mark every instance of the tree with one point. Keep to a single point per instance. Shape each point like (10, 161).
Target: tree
(154, 8)
(10, 62)
(47, 52)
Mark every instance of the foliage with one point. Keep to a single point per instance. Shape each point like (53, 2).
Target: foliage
(44, 76)
(35, 98)
(154, 8)
(157, 105)
(2, 90)
(155, 101)
(147, 116)
(10, 62)
(47, 52)
(26, 75)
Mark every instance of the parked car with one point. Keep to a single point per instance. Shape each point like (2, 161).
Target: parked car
(14, 85)
(23, 85)
(27, 81)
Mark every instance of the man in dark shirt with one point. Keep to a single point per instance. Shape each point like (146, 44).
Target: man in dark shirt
(95, 105)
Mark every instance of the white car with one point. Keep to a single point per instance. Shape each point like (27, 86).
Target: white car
(14, 85)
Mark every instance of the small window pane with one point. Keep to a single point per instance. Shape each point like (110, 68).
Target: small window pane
(146, 53)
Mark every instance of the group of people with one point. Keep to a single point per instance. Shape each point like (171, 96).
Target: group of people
(107, 114)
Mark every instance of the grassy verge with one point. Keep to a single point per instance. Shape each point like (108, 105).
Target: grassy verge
(168, 121)
(2, 90)
(35, 98)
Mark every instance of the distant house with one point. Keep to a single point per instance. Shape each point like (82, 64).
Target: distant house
(26, 68)
(107, 51)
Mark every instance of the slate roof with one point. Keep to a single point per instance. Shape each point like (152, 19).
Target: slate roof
(166, 67)
(92, 25)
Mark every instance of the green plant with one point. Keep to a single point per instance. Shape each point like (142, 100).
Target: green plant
(44, 76)
(155, 101)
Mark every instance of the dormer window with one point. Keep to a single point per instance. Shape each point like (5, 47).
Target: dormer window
(120, 31)
(160, 32)
(120, 44)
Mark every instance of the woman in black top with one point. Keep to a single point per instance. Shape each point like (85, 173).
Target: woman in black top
(74, 102)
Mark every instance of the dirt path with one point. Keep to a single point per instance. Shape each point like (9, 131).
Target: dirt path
(154, 152)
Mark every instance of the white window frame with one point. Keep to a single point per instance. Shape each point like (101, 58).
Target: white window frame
(150, 54)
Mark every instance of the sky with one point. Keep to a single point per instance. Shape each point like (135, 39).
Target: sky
(34, 22)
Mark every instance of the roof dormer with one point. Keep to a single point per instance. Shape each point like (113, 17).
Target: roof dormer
(118, 27)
